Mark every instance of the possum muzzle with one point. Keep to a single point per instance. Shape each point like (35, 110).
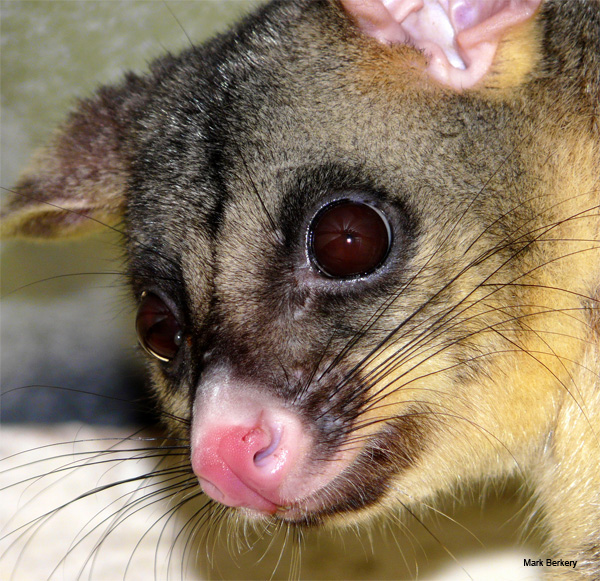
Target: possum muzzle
(302, 461)
(251, 451)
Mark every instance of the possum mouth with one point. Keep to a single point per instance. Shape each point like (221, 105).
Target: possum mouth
(367, 479)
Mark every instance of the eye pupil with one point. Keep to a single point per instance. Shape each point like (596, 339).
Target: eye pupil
(157, 328)
(349, 239)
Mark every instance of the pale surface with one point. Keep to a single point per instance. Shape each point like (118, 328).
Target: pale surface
(483, 542)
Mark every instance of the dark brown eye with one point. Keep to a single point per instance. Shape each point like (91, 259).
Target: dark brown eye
(157, 328)
(349, 239)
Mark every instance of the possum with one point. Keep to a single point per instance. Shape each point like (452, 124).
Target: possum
(363, 238)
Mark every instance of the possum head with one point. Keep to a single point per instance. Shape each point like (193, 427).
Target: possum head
(347, 252)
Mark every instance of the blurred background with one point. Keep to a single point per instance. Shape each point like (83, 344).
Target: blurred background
(69, 364)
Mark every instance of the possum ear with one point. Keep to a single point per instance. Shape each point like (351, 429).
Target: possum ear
(460, 37)
(77, 183)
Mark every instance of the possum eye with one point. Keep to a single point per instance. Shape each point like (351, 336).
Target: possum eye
(158, 330)
(349, 239)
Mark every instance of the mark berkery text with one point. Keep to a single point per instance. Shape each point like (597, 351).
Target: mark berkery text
(548, 563)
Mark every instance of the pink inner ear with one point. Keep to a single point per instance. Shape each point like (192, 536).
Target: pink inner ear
(459, 36)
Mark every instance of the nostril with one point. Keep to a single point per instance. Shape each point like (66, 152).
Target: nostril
(261, 458)
(246, 454)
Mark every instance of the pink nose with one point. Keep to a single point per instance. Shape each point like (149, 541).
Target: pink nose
(246, 465)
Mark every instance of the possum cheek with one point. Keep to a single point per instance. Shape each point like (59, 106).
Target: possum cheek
(249, 451)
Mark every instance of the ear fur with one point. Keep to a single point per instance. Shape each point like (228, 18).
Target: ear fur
(77, 184)
(460, 37)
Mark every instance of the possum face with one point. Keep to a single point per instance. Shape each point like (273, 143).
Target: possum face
(352, 282)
